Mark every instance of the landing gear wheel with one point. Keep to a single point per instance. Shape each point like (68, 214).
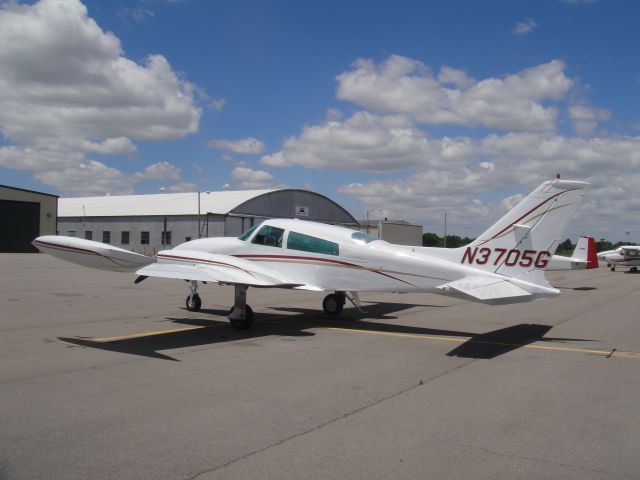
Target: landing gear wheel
(634, 269)
(333, 304)
(613, 269)
(244, 323)
(193, 303)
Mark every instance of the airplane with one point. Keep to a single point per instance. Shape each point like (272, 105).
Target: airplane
(503, 265)
(584, 257)
(624, 256)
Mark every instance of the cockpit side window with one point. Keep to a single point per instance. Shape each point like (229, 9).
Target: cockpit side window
(269, 236)
(248, 233)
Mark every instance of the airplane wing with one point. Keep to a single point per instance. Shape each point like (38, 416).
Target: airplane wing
(485, 289)
(216, 268)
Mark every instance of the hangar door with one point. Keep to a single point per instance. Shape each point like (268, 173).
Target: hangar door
(20, 224)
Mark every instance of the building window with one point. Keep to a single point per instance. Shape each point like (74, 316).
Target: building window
(88, 235)
(106, 236)
(144, 238)
(166, 238)
(72, 233)
(124, 238)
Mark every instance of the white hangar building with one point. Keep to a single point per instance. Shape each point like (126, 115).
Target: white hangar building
(148, 223)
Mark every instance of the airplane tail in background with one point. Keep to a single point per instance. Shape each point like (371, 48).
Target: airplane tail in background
(592, 255)
(584, 256)
(585, 252)
(525, 239)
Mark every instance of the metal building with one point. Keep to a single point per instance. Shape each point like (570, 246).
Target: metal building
(148, 223)
(25, 215)
(393, 231)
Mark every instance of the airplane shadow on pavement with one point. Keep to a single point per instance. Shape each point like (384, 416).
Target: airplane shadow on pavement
(299, 322)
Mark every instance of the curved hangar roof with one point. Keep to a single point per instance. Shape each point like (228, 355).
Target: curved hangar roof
(274, 203)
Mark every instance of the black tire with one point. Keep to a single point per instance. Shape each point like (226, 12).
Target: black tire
(243, 324)
(333, 304)
(634, 269)
(613, 269)
(194, 303)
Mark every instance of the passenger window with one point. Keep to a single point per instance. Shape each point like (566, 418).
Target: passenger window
(307, 243)
(269, 236)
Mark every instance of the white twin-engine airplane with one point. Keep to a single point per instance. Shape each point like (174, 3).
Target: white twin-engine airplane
(503, 265)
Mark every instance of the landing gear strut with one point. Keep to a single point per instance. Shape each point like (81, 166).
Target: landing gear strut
(193, 302)
(241, 315)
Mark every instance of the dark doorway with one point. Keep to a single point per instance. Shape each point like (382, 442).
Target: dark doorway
(20, 223)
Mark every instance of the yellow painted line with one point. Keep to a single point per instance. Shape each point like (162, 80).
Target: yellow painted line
(151, 334)
(606, 353)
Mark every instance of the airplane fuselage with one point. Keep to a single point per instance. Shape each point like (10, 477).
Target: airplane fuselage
(353, 261)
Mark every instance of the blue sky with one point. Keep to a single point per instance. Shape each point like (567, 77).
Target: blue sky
(404, 108)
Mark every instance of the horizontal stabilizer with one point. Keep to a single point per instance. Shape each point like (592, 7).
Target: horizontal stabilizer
(91, 254)
(485, 289)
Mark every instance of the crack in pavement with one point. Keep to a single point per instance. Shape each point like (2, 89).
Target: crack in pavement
(421, 383)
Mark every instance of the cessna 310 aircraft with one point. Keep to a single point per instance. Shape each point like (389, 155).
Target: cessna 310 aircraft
(624, 256)
(503, 265)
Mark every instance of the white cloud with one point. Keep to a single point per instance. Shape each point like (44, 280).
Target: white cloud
(455, 77)
(366, 142)
(66, 89)
(498, 163)
(181, 187)
(113, 146)
(244, 146)
(159, 171)
(247, 178)
(90, 177)
(586, 119)
(137, 15)
(401, 85)
(87, 179)
(522, 28)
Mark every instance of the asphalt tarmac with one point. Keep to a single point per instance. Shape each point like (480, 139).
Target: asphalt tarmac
(104, 379)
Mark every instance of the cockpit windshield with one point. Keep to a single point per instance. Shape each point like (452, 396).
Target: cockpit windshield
(248, 233)
(361, 237)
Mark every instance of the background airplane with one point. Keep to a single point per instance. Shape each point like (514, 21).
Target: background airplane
(503, 265)
(624, 256)
(584, 257)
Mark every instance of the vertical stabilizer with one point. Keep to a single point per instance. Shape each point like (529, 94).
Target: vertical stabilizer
(528, 235)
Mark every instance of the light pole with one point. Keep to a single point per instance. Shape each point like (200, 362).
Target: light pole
(199, 230)
(379, 221)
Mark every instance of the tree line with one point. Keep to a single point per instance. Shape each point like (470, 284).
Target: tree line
(430, 239)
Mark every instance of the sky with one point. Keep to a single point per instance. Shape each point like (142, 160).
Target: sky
(402, 109)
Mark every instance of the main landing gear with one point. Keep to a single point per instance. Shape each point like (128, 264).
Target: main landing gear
(240, 316)
(333, 304)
